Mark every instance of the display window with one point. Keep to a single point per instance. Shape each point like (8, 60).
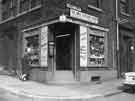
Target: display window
(96, 48)
(36, 46)
(32, 47)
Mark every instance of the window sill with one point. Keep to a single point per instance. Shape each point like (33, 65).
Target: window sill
(20, 14)
(95, 8)
(125, 14)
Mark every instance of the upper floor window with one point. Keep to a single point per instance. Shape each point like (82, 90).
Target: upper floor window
(11, 8)
(124, 6)
(95, 3)
(35, 3)
(28, 4)
(24, 5)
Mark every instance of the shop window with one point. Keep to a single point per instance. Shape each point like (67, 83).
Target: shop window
(124, 6)
(32, 48)
(96, 48)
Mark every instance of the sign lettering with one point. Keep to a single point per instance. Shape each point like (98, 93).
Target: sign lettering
(83, 16)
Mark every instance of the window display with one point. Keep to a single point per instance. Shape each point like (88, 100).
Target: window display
(32, 49)
(96, 48)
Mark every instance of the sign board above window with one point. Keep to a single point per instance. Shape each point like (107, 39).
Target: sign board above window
(83, 16)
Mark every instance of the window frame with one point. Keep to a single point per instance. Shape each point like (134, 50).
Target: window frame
(28, 34)
(8, 12)
(98, 4)
(22, 3)
(29, 5)
(125, 4)
(9, 8)
(98, 33)
(96, 8)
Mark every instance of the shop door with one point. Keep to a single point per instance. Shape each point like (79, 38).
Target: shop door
(63, 52)
(64, 58)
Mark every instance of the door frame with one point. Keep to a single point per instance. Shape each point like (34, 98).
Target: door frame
(71, 51)
(75, 52)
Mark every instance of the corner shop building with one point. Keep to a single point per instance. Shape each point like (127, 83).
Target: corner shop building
(70, 47)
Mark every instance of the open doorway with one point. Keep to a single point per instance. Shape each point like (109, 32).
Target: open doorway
(63, 51)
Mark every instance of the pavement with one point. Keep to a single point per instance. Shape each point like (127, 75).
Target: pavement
(59, 92)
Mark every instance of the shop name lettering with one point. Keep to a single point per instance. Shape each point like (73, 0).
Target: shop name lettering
(83, 16)
(83, 53)
(83, 46)
(44, 46)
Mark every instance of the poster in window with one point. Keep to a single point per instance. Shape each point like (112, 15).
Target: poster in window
(83, 46)
(44, 46)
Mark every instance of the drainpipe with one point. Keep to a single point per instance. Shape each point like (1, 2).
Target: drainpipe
(117, 34)
(118, 22)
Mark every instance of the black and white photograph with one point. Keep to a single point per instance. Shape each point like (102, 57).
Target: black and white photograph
(67, 50)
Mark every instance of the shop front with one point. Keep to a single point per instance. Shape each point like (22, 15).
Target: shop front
(65, 51)
(52, 51)
(66, 48)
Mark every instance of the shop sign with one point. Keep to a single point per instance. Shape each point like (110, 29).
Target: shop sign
(83, 46)
(83, 16)
(44, 46)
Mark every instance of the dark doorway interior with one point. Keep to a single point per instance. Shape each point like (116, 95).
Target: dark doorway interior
(126, 54)
(64, 38)
(63, 52)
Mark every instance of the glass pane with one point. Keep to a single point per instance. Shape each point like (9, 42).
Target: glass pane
(32, 49)
(96, 49)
